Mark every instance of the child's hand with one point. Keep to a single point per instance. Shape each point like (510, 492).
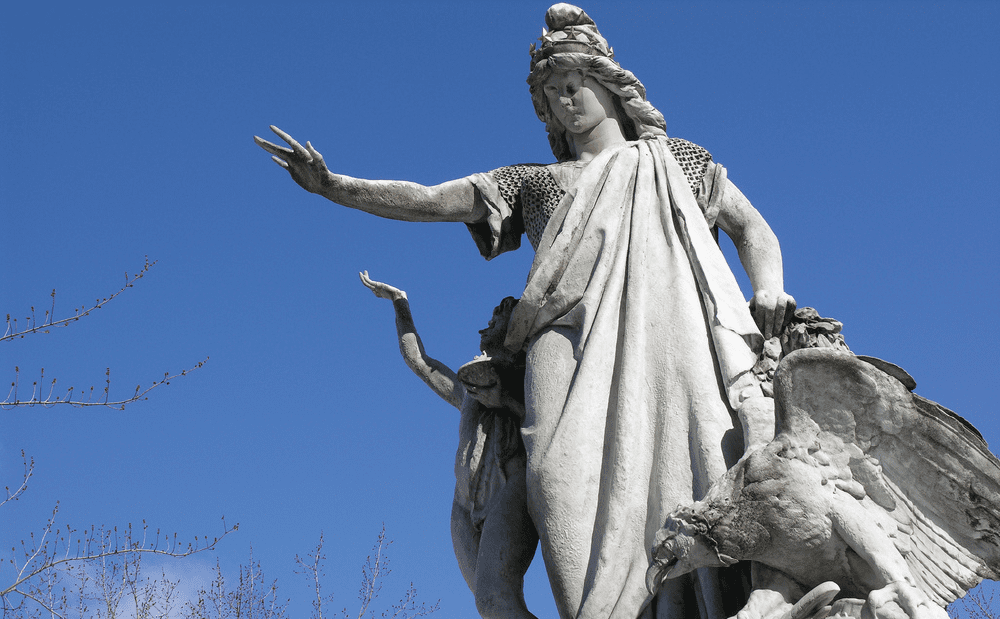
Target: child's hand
(382, 291)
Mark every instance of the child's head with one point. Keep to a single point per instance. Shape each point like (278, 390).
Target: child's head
(492, 337)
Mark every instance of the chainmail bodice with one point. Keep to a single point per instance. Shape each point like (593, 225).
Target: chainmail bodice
(533, 190)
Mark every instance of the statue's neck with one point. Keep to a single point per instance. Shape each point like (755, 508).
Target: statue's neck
(588, 144)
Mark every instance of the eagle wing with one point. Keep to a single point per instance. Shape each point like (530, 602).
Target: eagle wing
(901, 455)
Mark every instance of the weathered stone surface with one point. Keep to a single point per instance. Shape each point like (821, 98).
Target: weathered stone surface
(890, 496)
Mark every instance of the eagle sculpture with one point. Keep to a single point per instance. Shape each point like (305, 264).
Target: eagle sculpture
(889, 496)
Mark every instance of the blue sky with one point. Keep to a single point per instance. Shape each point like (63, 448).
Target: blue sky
(865, 132)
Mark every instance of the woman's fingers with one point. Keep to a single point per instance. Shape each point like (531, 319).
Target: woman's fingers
(314, 154)
(296, 147)
(274, 149)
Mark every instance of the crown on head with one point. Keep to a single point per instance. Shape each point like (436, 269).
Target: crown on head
(570, 29)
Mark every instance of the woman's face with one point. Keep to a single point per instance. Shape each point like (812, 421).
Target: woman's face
(578, 101)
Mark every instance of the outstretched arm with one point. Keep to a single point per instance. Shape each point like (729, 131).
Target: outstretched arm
(451, 201)
(761, 257)
(437, 375)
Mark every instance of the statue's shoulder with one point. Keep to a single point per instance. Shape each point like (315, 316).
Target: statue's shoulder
(527, 178)
(693, 159)
(685, 151)
(519, 171)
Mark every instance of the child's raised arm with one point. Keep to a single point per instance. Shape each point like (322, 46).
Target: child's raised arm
(437, 375)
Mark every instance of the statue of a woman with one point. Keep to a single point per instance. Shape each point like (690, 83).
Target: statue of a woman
(639, 342)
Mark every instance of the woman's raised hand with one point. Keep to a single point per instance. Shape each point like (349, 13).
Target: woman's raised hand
(304, 163)
(451, 201)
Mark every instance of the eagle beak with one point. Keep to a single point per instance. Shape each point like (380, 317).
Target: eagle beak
(658, 572)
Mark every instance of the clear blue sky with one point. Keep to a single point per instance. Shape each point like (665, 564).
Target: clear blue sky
(865, 132)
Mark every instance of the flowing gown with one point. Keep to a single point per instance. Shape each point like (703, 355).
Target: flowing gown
(639, 348)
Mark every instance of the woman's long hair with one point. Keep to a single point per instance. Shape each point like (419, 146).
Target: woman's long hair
(636, 115)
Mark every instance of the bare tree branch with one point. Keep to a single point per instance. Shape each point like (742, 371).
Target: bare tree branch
(978, 603)
(373, 574)
(251, 598)
(90, 397)
(312, 568)
(12, 400)
(32, 325)
(29, 470)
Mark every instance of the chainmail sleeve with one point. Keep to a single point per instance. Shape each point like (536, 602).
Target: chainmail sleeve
(500, 191)
(706, 178)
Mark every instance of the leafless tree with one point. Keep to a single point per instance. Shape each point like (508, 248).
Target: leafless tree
(373, 575)
(94, 572)
(61, 572)
(252, 597)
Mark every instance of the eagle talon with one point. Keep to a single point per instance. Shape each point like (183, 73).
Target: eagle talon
(900, 600)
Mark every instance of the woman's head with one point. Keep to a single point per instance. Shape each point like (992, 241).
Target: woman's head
(575, 46)
(580, 103)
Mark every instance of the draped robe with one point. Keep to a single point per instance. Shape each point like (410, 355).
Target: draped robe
(639, 348)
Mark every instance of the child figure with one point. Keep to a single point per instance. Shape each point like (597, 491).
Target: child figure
(492, 532)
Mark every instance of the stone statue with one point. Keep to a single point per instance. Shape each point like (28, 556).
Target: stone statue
(868, 491)
(639, 346)
(493, 535)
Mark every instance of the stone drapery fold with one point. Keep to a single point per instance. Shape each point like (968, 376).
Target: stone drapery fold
(640, 180)
(662, 345)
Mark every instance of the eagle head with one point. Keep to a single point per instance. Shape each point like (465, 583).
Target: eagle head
(683, 544)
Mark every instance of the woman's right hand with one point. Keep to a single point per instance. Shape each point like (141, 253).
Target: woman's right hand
(304, 163)
(450, 201)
